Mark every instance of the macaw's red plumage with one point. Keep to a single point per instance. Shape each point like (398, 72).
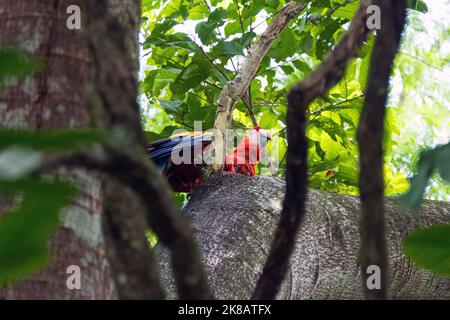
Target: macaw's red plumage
(180, 157)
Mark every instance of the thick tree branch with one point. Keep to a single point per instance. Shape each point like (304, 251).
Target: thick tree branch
(234, 218)
(114, 93)
(237, 88)
(316, 85)
(132, 261)
(115, 84)
(370, 138)
(164, 219)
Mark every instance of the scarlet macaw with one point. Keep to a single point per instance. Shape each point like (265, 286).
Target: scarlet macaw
(184, 176)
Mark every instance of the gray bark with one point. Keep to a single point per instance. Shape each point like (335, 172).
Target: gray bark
(53, 99)
(234, 218)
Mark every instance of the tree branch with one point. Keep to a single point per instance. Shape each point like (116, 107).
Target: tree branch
(235, 216)
(370, 138)
(132, 262)
(114, 91)
(329, 73)
(115, 84)
(235, 89)
(132, 168)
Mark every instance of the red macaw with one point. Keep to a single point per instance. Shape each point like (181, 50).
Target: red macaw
(184, 176)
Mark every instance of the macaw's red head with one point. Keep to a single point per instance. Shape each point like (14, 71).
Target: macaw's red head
(248, 152)
(252, 144)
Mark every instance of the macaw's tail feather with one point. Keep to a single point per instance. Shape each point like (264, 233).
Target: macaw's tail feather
(165, 147)
(176, 157)
(183, 178)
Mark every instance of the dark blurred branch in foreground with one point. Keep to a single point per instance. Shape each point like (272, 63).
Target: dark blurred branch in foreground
(114, 92)
(328, 74)
(370, 138)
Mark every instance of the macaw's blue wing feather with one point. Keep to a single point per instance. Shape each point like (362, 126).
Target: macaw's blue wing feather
(160, 151)
(162, 148)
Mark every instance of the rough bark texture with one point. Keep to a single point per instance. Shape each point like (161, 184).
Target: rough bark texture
(234, 218)
(55, 98)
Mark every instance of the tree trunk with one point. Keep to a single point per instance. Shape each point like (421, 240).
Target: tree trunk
(55, 98)
(234, 218)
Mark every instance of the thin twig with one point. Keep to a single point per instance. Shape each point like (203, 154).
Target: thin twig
(421, 60)
(334, 106)
(212, 62)
(240, 16)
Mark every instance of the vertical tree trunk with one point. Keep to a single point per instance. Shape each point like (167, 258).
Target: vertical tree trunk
(55, 98)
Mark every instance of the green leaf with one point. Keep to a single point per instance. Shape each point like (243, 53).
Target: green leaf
(302, 66)
(287, 69)
(251, 10)
(16, 64)
(152, 238)
(247, 38)
(365, 62)
(162, 28)
(325, 39)
(205, 31)
(152, 136)
(231, 48)
(319, 150)
(178, 40)
(52, 141)
(179, 198)
(306, 43)
(163, 78)
(437, 158)
(418, 5)
(268, 120)
(347, 11)
(171, 106)
(218, 16)
(429, 248)
(26, 228)
(196, 72)
(149, 81)
(442, 158)
(272, 3)
(232, 28)
(184, 12)
(199, 12)
(171, 10)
